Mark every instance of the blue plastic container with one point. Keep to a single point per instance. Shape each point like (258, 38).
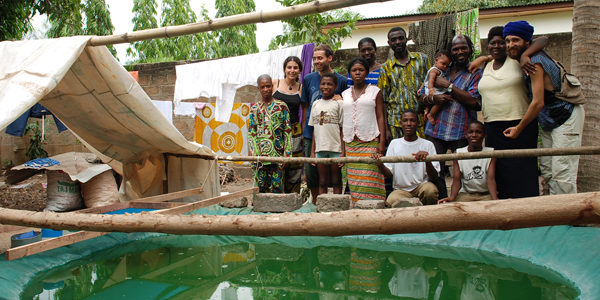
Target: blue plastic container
(49, 233)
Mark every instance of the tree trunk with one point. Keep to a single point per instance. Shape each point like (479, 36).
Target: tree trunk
(585, 60)
(500, 214)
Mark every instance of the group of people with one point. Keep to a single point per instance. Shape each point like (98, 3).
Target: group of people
(407, 107)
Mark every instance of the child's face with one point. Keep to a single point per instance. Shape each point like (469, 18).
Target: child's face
(358, 73)
(442, 62)
(475, 134)
(327, 87)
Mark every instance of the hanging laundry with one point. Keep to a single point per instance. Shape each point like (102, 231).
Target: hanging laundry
(166, 107)
(307, 57)
(186, 109)
(467, 23)
(17, 127)
(432, 35)
(221, 78)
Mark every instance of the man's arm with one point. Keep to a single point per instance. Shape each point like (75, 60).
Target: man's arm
(432, 173)
(382, 168)
(536, 46)
(384, 85)
(305, 102)
(464, 97)
(491, 180)
(536, 105)
(456, 178)
(381, 122)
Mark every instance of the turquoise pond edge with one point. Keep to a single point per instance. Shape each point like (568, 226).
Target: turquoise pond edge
(562, 254)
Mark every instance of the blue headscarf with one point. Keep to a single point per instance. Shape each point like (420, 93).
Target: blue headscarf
(521, 29)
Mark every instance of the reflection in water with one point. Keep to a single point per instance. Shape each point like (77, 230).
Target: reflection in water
(272, 271)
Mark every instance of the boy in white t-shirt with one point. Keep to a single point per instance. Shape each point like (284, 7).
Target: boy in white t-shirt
(411, 179)
(326, 117)
(474, 179)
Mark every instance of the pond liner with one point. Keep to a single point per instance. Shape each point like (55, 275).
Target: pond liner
(562, 254)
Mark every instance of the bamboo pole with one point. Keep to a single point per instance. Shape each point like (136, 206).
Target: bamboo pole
(588, 150)
(314, 7)
(569, 209)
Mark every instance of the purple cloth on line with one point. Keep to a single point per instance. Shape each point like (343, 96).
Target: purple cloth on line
(307, 54)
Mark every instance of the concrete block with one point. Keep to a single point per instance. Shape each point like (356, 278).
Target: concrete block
(369, 204)
(245, 171)
(407, 202)
(277, 202)
(239, 202)
(334, 256)
(333, 202)
(278, 252)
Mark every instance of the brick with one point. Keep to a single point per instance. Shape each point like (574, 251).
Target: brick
(407, 202)
(152, 90)
(236, 203)
(278, 252)
(333, 202)
(370, 204)
(167, 90)
(277, 202)
(144, 80)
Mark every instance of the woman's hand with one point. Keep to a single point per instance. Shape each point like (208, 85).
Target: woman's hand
(477, 63)
(377, 156)
(512, 132)
(337, 97)
(388, 135)
(526, 65)
(381, 148)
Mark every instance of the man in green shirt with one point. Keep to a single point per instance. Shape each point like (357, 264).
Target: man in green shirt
(399, 80)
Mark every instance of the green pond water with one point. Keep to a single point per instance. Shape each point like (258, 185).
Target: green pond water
(273, 271)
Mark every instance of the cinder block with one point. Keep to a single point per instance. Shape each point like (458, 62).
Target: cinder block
(407, 202)
(369, 204)
(239, 202)
(278, 252)
(277, 202)
(333, 202)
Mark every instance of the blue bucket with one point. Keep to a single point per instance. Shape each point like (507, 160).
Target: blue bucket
(49, 233)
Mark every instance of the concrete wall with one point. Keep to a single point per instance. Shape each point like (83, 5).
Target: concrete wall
(547, 23)
(158, 80)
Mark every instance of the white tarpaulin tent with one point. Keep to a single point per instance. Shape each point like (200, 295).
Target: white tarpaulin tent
(99, 101)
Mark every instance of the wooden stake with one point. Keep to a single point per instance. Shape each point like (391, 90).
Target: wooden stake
(569, 209)
(589, 150)
(313, 7)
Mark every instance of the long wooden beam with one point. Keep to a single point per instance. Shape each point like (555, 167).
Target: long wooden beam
(41, 246)
(186, 208)
(587, 150)
(171, 196)
(569, 209)
(313, 7)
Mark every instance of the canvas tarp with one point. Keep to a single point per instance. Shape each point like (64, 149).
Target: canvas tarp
(99, 101)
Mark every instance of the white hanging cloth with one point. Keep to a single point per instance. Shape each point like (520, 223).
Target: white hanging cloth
(222, 77)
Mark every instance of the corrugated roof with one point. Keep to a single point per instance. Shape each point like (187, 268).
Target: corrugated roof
(481, 9)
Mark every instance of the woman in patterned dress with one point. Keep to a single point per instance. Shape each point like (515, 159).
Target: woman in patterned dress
(363, 123)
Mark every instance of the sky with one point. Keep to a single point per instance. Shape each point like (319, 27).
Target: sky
(121, 15)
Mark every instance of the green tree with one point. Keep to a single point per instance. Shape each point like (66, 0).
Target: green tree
(16, 15)
(309, 29)
(438, 6)
(196, 46)
(68, 22)
(144, 17)
(239, 40)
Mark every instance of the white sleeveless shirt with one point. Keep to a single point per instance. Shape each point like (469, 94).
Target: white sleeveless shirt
(360, 118)
(474, 172)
